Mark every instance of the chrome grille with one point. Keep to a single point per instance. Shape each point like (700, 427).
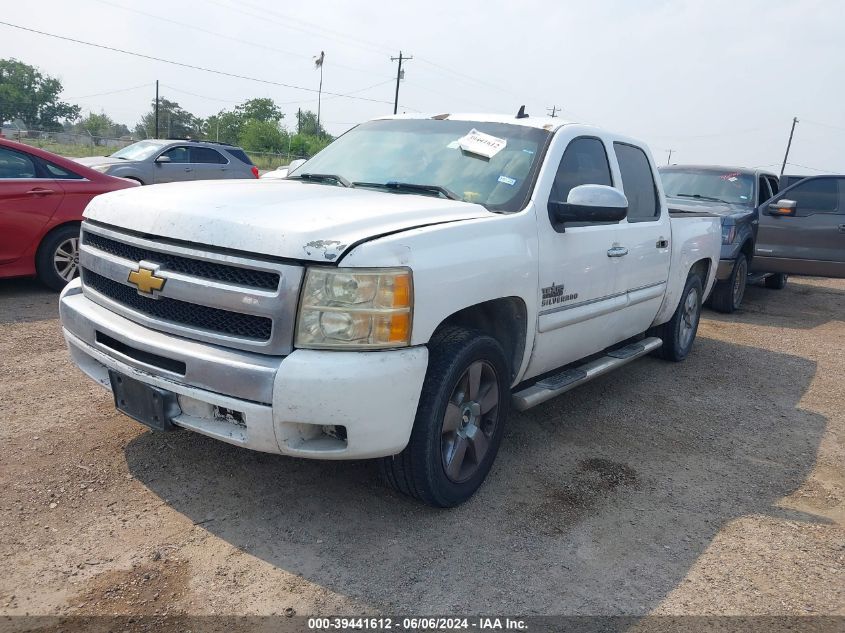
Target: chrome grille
(208, 270)
(175, 311)
(215, 297)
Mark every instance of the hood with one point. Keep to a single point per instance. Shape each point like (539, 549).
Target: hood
(281, 218)
(722, 209)
(90, 161)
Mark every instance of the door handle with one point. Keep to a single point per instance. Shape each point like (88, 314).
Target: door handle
(188, 169)
(39, 192)
(662, 243)
(617, 251)
(842, 228)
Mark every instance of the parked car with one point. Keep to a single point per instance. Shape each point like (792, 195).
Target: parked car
(802, 229)
(395, 296)
(276, 174)
(157, 161)
(42, 197)
(733, 194)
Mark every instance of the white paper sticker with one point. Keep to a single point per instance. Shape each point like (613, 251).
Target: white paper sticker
(482, 144)
(453, 145)
(507, 181)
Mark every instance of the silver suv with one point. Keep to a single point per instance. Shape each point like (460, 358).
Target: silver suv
(157, 160)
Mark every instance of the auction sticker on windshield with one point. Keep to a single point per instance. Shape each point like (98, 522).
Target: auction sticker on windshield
(481, 144)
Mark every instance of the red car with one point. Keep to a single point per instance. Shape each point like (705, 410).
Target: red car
(42, 197)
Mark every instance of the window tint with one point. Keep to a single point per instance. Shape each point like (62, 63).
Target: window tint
(763, 192)
(16, 165)
(60, 172)
(637, 183)
(583, 163)
(819, 195)
(239, 154)
(207, 155)
(177, 154)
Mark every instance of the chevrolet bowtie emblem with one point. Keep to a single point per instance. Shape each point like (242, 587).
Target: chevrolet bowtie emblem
(146, 281)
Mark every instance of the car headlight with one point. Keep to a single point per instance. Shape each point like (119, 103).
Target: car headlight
(101, 168)
(728, 234)
(355, 308)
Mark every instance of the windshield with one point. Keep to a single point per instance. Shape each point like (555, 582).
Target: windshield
(717, 186)
(138, 151)
(437, 154)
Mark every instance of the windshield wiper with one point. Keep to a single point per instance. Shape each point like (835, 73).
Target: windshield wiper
(698, 196)
(343, 182)
(412, 187)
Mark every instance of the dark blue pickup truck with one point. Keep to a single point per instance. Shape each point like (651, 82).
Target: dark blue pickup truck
(734, 194)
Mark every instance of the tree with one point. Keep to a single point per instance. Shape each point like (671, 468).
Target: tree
(27, 94)
(264, 110)
(174, 122)
(308, 124)
(228, 126)
(98, 126)
(263, 136)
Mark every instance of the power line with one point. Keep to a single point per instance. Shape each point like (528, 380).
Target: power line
(827, 125)
(827, 171)
(112, 92)
(185, 65)
(193, 94)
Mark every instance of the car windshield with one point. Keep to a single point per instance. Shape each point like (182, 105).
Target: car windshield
(716, 186)
(138, 151)
(437, 158)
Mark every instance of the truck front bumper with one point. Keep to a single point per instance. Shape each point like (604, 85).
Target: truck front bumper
(317, 404)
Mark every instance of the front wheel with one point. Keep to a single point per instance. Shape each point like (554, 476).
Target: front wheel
(727, 295)
(460, 420)
(679, 333)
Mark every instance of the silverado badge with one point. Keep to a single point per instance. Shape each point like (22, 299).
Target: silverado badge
(145, 280)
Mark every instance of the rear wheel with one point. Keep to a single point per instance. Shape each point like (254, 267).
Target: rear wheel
(459, 423)
(776, 281)
(57, 260)
(727, 295)
(679, 333)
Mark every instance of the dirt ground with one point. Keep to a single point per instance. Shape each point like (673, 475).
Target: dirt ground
(714, 486)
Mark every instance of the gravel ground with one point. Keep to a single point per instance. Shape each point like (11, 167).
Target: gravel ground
(715, 486)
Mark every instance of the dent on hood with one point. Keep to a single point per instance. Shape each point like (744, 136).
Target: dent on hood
(331, 249)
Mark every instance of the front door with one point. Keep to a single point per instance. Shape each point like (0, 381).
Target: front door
(577, 265)
(208, 164)
(28, 199)
(812, 240)
(178, 169)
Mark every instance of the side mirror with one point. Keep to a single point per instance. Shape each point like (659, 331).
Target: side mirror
(782, 207)
(163, 159)
(295, 164)
(591, 203)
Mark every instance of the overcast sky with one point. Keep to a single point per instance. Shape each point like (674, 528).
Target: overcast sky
(716, 81)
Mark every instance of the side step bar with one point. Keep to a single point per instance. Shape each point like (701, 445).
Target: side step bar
(563, 381)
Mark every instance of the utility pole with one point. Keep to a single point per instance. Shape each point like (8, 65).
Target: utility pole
(788, 145)
(552, 111)
(299, 120)
(669, 160)
(399, 75)
(156, 108)
(319, 64)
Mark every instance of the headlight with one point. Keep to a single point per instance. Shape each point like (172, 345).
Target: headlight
(355, 308)
(101, 168)
(728, 234)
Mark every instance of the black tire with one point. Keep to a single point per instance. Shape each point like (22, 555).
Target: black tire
(776, 281)
(676, 337)
(420, 470)
(727, 295)
(49, 258)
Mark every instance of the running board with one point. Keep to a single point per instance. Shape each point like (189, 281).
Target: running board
(563, 381)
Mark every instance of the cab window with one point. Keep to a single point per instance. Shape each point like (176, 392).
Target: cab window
(16, 165)
(637, 183)
(583, 163)
(177, 154)
(819, 195)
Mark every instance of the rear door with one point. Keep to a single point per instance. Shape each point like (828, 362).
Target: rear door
(810, 242)
(645, 234)
(28, 199)
(208, 164)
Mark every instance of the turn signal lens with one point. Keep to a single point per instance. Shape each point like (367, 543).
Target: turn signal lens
(355, 308)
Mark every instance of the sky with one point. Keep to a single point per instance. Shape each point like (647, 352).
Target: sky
(718, 82)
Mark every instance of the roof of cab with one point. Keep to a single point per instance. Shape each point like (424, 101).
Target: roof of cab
(540, 122)
(721, 168)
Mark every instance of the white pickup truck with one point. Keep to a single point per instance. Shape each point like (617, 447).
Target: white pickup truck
(393, 297)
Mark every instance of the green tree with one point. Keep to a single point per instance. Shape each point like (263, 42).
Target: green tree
(263, 136)
(228, 126)
(98, 126)
(28, 94)
(263, 109)
(307, 124)
(173, 122)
